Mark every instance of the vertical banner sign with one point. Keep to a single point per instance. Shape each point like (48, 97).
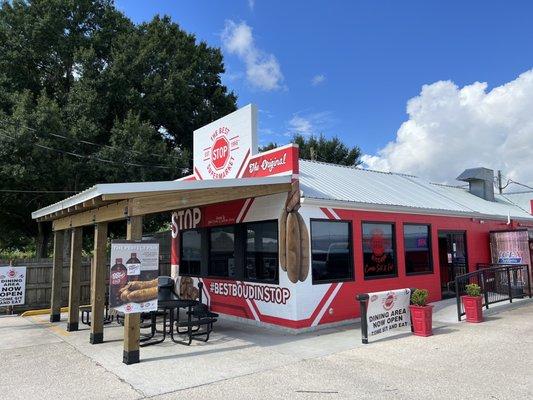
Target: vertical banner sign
(133, 276)
(12, 286)
(511, 247)
(388, 311)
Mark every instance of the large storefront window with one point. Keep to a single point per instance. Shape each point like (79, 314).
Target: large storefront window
(191, 254)
(222, 252)
(246, 252)
(417, 243)
(379, 250)
(261, 251)
(331, 251)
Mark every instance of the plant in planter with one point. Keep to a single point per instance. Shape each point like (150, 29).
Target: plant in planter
(472, 303)
(421, 313)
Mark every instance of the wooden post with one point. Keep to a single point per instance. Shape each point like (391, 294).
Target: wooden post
(132, 322)
(57, 277)
(74, 285)
(98, 283)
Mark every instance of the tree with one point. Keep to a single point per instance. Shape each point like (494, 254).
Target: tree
(323, 149)
(87, 96)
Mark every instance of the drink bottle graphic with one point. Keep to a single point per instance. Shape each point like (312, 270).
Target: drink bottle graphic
(133, 265)
(118, 278)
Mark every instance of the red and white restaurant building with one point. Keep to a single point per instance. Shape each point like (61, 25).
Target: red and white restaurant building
(367, 231)
(298, 259)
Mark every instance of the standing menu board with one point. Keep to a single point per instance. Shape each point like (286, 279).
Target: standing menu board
(12, 285)
(388, 311)
(133, 276)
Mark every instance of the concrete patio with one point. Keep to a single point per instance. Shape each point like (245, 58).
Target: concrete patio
(42, 360)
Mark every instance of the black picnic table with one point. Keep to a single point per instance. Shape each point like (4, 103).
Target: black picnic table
(190, 328)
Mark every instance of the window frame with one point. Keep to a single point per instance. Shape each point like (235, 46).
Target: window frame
(235, 250)
(351, 278)
(199, 230)
(395, 250)
(239, 254)
(430, 250)
(245, 251)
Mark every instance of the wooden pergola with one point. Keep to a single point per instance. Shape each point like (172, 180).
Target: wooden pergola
(105, 203)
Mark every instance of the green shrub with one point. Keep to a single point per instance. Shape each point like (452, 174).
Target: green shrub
(419, 297)
(473, 289)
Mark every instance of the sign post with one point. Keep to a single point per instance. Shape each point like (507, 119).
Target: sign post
(363, 303)
(384, 312)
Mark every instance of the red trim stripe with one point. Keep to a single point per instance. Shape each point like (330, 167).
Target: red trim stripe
(327, 212)
(301, 323)
(198, 173)
(243, 164)
(247, 209)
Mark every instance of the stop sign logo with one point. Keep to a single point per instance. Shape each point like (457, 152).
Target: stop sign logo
(220, 152)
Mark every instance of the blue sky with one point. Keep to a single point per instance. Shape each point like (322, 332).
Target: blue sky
(348, 68)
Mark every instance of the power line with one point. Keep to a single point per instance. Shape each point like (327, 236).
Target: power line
(86, 141)
(90, 157)
(509, 181)
(520, 184)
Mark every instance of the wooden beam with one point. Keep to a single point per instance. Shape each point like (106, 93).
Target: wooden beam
(98, 283)
(154, 203)
(111, 212)
(74, 283)
(179, 200)
(132, 322)
(57, 277)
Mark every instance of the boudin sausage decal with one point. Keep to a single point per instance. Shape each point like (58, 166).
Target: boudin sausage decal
(293, 247)
(304, 248)
(187, 289)
(282, 240)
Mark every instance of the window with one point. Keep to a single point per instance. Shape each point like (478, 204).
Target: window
(261, 259)
(222, 252)
(379, 260)
(190, 259)
(331, 251)
(417, 243)
(246, 252)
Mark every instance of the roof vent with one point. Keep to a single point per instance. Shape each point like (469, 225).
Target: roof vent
(480, 181)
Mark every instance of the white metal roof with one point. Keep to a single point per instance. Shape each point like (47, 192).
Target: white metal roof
(368, 189)
(148, 187)
(521, 199)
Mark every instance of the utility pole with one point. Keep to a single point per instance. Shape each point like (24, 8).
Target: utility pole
(313, 153)
(500, 184)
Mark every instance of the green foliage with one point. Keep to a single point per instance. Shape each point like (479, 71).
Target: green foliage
(419, 297)
(323, 149)
(473, 289)
(87, 96)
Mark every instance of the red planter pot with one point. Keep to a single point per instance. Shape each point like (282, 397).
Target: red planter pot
(473, 308)
(422, 317)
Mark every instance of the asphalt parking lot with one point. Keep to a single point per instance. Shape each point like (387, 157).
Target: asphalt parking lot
(491, 360)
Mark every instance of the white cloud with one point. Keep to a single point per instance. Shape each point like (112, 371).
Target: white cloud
(318, 79)
(251, 4)
(309, 124)
(452, 128)
(262, 69)
(300, 125)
